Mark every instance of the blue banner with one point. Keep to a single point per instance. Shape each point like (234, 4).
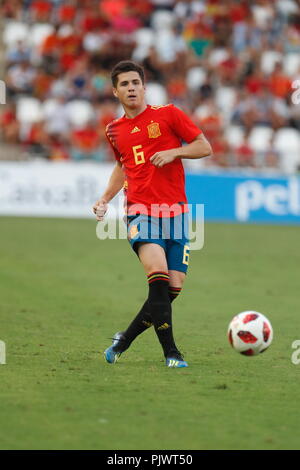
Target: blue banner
(246, 198)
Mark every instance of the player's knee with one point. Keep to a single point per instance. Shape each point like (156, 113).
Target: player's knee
(154, 268)
(153, 257)
(177, 278)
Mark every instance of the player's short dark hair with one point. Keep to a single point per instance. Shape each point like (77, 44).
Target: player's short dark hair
(126, 66)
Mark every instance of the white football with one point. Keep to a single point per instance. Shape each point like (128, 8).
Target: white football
(250, 333)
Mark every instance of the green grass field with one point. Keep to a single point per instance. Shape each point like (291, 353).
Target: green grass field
(64, 293)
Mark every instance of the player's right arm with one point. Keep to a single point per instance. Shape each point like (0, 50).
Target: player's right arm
(115, 184)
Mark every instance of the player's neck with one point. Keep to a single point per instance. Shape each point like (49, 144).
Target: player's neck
(131, 113)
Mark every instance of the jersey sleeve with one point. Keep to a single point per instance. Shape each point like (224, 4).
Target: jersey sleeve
(182, 125)
(111, 143)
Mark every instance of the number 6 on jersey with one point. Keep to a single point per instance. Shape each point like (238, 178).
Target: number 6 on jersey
(186, 255)
(139, 157)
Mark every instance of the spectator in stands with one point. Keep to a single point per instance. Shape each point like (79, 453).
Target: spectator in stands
(17, 53)
(280, 83)
(263, 13)
(86, 143)
(291, 33)
(260, 109)
(9, 125)
(57, 147)
(209, 118)
(222, 152)
(42, 83)
(39, 11)
(105, 111)
(34, 139)
(234, 42)
(20, 78)
(11, 9)
(270, 158)
(65, 13)
(244, 154)
(255, 81)
(78, 80)
(229, 69)
(57, 118)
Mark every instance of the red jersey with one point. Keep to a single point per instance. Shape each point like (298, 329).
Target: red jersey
(134, 141)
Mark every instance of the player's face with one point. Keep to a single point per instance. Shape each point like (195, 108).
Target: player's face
(130, 90)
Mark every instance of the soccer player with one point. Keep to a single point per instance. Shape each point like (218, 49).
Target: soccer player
(147, 143)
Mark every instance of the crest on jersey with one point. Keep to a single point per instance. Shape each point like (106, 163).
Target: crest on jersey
(133, 231)
(153, 130)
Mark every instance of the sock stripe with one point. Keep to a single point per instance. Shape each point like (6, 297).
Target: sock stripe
(158, 272)
(158, 279)
(175, 290)
(158, 276)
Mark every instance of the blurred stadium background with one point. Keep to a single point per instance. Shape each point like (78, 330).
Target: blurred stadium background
(230, 64)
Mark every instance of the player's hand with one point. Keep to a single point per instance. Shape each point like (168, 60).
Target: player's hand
(100, 208)
(160, 159)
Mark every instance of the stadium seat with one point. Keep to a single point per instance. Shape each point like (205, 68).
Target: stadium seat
(164, 44)
(144, 38)
(291, 64)
(259, 138)
(269, 60)
(58, 88)
(195, 78)
(234, 135)
(119, 111)
(80, 112)
(217, 56)
(287, 143)
(156, 94)
(39, 32)
(15, 31)
(194, 165)
(140, 53)
(48, 106)
(92, 42)
(29, 110)
(162, 20)
(225, 99)
(202, 111)
(286, 7)
(65, 30)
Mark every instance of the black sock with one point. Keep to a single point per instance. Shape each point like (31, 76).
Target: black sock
(139, 324)
(142, 322)
(160, 310)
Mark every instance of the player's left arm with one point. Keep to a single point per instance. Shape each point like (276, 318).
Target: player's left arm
(198, 148)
